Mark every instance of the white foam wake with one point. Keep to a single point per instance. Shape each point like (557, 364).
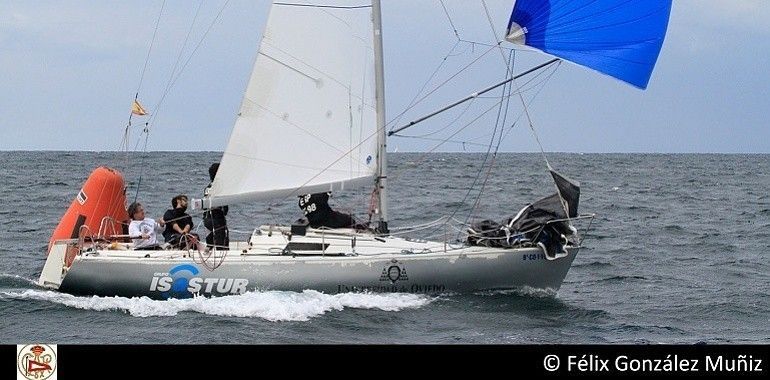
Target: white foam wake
(269, 305)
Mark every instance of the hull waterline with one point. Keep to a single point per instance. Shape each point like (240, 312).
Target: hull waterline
(461, 271)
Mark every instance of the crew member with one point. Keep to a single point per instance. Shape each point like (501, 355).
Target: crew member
(320, 214)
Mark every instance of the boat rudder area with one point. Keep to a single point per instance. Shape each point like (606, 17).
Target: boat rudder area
(53, 270)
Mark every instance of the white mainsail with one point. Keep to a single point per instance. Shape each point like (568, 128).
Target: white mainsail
(307, 122)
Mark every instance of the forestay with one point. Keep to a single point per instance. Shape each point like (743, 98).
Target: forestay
(307, 122)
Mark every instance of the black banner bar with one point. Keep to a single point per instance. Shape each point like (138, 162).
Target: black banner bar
(75, 361)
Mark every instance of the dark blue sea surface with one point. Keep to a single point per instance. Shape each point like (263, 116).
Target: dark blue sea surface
(678, 254)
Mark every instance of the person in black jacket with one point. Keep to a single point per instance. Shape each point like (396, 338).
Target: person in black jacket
(319, 214)
(215, 219)
(178, 223)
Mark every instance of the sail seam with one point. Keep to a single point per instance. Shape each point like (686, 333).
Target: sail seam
(300, 128)
(306, 64)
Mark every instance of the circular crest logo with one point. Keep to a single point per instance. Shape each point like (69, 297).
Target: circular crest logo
(393, 272)
(36, 361)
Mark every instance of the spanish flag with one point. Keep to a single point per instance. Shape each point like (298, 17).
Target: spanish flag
(137, 109)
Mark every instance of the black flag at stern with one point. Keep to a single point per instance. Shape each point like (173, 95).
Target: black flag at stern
(569, 192)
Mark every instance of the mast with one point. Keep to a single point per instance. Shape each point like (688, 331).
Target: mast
(382, 158)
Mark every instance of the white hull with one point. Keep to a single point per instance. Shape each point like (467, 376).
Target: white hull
(271, 260)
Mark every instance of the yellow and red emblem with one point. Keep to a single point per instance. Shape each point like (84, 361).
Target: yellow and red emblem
(36, 362)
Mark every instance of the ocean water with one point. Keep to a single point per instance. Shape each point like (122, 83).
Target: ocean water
(677, 254)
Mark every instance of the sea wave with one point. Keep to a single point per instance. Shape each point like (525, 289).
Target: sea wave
(525, 291)
(593, 264)
(622, 278)
(268, 305)
(14, 280)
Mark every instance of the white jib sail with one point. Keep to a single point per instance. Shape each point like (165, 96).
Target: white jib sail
(308, 121)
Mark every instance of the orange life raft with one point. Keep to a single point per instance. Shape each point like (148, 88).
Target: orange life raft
(102, 195)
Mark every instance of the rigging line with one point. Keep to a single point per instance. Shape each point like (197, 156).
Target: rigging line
(295, 192)
(379, 130)
(507, 129)
(503, 97)
(467, 48)
(518, 118)
(139, 139)
(470, 141)
(478, 174)
(189, 58)
(424, 155)
(486, 156)
(350, 132)
(413, 102)
(324, 6)
(141, 80)
(538, 86)
(442, 141)
(532, 128)
(124, 144)
(376, 132)
(452, 24)
(141, 164)
(126, 132)
(494, 32)
(471, 96)
(448, 125)
(477, 201)
(448, 141)
(440, 86)
(501, 123)
(152, 42)
(487, 44)
(420, 226)
(184, 45)
(542, 86)
(542, 151)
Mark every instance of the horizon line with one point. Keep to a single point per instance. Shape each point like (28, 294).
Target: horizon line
(397, 152)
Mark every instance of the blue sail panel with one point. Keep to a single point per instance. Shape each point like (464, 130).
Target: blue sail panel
(621, 38)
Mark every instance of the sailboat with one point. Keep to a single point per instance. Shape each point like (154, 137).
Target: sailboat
(318, 83)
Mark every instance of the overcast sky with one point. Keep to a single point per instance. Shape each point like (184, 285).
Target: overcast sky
(70, 70)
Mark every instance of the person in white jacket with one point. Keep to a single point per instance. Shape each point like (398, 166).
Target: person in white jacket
(144, 231)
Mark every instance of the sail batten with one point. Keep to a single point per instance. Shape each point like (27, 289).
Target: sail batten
(307, 121)
(620, 38)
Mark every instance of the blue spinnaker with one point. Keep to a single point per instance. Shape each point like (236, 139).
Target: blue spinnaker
(621, 38)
